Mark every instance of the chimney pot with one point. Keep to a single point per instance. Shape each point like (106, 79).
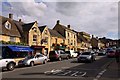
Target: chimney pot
(11, 16)
(20, 20)
(69, 26)
(58, 21)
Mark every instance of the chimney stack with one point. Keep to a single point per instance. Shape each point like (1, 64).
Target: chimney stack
(92, 36)
(20, 20)
(11, 16)
(68, 26)
(58, 21)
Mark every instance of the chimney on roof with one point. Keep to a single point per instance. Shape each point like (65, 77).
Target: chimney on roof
(92, 36)
(58, 21)
(20, 20)
(11, 16)
(36, 22)
(68, 26)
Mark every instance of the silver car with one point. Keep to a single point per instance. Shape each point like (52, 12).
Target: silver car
(32, 60)
(86, 56)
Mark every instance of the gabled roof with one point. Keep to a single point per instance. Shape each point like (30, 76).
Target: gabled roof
(54, 33)
(81, 38)
(41, 28)
(61, 29)
(10, 32)
(28, 26)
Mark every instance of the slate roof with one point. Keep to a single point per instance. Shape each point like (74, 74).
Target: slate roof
(54, 33)
(61, 29)
(41, 28)
(9, 32)
(81, 38)
(28, 26)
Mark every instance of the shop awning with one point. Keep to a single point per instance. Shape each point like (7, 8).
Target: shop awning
(20, 48)
(62, 47)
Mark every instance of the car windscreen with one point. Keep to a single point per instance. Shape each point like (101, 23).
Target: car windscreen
(86, 53)
(29, 57)
(68, 52)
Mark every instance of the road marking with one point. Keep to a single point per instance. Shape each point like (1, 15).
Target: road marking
(66, 73)
(99, 74)
(65, 67)
(75, 74)
(57, 71)
(52, 71)
(83, 74)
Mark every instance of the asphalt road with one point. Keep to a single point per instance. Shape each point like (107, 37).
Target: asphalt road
(63, 70)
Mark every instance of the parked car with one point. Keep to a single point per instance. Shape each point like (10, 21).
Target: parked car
(86, 56)
(7, 63)
(101, 52)
(72, 53)
(11, 54)
(32, 60)
(111, 53)
(58, 55)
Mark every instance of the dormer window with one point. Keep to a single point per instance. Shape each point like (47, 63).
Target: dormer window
(45, 31)
(7, 25)
(34, 29)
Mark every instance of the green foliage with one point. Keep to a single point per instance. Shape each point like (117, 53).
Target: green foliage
(12, 43)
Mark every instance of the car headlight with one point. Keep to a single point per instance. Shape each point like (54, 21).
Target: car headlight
(88, 57)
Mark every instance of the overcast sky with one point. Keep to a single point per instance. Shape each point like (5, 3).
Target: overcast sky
(97, 18)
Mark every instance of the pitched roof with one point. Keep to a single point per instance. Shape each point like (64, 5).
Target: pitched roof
(61, 29)
(41, 28)
(54, 33)
(10, 32)
(28, 26)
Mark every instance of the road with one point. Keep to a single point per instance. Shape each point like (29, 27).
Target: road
(64, 70)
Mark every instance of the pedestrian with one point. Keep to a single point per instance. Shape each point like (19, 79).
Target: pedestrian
(117, 55)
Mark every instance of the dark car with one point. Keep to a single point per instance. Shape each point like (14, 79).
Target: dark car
(86, 56)
(58, 55)
(111, 53)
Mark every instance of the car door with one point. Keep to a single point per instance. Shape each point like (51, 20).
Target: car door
(3, 62)
(41, 59)
(63, 54)
(36, 59)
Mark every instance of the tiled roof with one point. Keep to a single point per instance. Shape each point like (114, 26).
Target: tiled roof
(28, 26)
(54, 33)
(10, 32)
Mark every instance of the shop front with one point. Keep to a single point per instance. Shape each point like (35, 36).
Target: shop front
(38, 49)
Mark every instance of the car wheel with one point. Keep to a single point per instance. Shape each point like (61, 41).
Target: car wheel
(72, 56)
(32, 63)
(11, 66)
(67, 57)
(45, 61)
(60, 59)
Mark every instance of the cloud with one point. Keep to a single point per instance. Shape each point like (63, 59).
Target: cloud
(97, 18)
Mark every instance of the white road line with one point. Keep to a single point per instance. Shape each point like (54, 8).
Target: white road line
(83, 74)
(57, 71)
(75, 74)
(100, 74)
(66, 73)
(65, 67)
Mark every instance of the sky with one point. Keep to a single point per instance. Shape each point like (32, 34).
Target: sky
(96, 17)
